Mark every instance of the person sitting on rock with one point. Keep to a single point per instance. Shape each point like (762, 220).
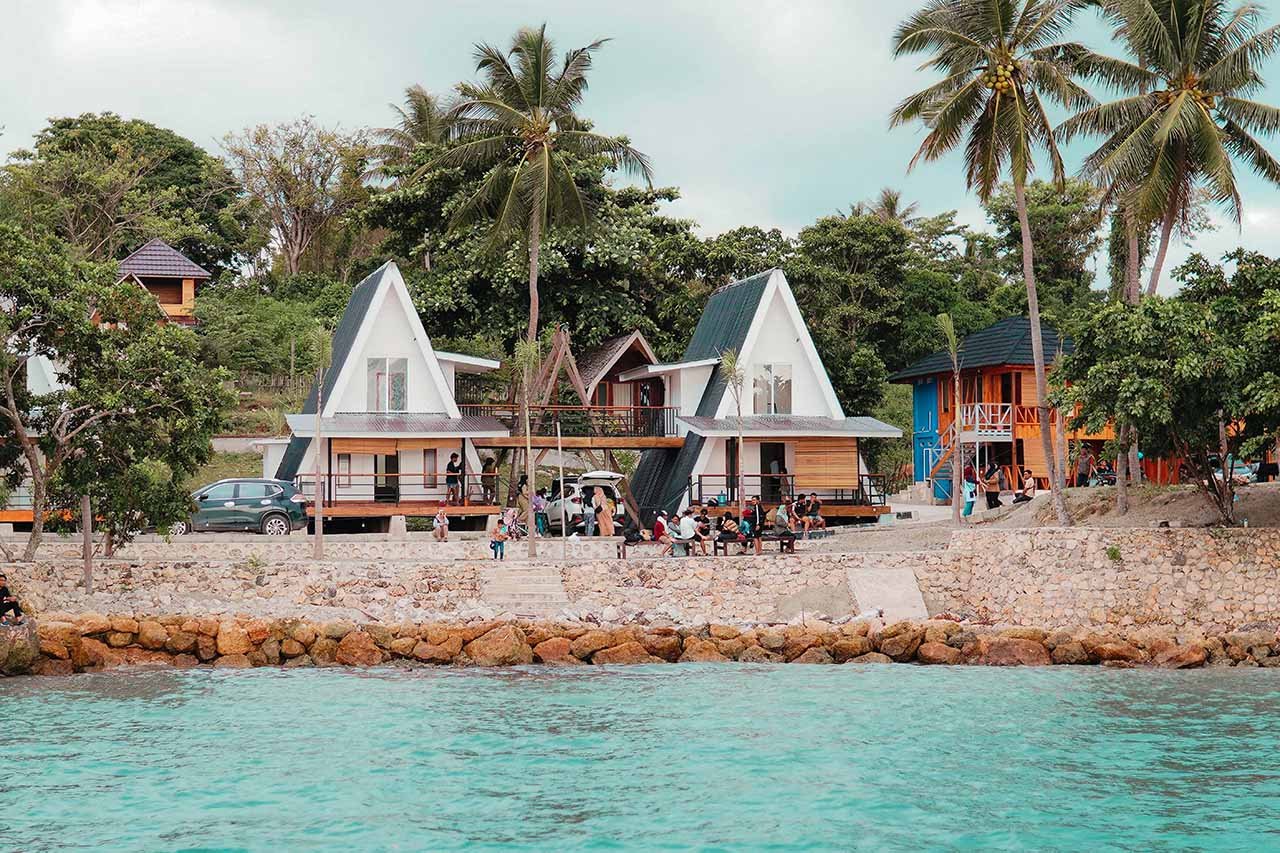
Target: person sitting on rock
(441, 528)
(9, 603)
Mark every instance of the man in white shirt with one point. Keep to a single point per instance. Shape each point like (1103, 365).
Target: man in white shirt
(687, 530)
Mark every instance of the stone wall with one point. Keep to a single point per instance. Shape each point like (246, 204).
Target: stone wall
(337, 548)
(1089, 576)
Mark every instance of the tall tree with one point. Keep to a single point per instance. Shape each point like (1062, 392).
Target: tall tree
(999, 61)
(1187, 112)
(948, 330)
(130, 386)
(519, 122)
(889, 205)
(423, 125)
(303, 176)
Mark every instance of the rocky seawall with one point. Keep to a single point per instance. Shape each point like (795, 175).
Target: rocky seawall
(90, 642)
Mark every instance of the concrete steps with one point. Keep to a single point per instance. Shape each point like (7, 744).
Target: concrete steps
(523, 590)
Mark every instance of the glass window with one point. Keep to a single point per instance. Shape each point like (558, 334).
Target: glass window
(344, 470)
(387, 384)
(397, 384)
(429, 479)
(771, 389)
(223, 492)
(253, 491)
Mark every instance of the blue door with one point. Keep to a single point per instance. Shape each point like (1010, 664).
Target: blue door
(924, 422)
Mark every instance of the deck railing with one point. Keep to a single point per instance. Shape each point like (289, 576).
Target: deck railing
(584, 421)
(405, 486)
(987, 419)
(864, 490)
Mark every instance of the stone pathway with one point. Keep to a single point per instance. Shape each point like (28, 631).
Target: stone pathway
(523, 589)
(895, 590)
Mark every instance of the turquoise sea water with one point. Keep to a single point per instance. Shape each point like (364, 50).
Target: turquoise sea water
(643, 758)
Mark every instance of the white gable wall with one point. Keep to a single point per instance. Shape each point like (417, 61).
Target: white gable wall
(392, 330)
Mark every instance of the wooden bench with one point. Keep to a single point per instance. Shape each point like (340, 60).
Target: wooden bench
(677, 544)
(786, 544)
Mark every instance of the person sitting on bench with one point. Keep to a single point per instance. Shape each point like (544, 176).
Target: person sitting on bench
(687, 532)
(813, 519)
(782, 522)
(9, 603)
(730, 531)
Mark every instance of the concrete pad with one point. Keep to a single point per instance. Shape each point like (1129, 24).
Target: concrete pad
(894, 590)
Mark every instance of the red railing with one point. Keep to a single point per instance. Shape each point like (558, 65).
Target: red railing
(404, 486)
(864, 490)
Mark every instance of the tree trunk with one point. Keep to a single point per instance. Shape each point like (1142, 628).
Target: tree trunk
(38, 498)
(1132, 267)
(86, 543)
(318, 541)
(957, 467)
(530, 485)
(535, 246)
(1135, 464)
(1157, 265)
(1064, 457)
(1037, 353)
(1122, 487)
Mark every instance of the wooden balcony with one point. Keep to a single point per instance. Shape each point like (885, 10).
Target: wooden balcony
(636, 427)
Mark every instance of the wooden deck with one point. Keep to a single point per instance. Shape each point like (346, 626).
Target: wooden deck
(386, 509)
(16, 516)
(830, 510)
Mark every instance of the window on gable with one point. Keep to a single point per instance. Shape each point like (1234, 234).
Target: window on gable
(771, 389)
(388, 384)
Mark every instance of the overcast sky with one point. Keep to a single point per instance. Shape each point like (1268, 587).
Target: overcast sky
(762, 112)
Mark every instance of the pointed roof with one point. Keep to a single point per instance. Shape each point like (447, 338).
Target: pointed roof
(344, 337)
(595, 364)
(724, 324)
(1005, 342)
(157, 259)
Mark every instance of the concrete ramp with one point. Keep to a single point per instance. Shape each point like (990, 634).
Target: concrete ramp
(895, 590)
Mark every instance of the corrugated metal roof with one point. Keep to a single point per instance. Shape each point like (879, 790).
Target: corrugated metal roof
(793, 425)
(724, 324)
(423, 424)
(158, 259)
(344, 337)
(1005, 342)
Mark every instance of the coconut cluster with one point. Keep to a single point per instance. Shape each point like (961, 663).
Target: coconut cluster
(1202, 97)
(999, 77)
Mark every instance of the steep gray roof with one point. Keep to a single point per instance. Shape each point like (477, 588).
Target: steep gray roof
(157, 259)
(662, 477)
(724, 324)
(344, 338)
(1005, 342)
(860, 426)
(424, 424)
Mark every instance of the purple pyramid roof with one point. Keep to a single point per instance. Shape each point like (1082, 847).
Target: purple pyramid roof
(158, 259)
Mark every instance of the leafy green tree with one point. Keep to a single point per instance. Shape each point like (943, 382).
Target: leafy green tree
(999, 62)
(246, 332)
(304, 178)
(132, 387)
(1187, 111)
(518, 123)
(889, 205)
(1175, 370)
(1065, 229)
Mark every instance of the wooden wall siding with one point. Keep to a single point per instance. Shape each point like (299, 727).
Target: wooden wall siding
(384, 446)
(826, 463)
(427, 444)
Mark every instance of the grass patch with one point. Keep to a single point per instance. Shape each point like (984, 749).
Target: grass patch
(222, 466)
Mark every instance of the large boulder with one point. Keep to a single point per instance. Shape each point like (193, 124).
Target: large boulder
(501, 646)
(1072, 652)
(443, 652)
(698, 650)
(629, 652)
(850, 647)
(336, 630)
(232, 639)
(901, 646)
(19, 647)
(756, 654)
(358, 648)
(232, 662)
(1123, 652)
(814, 654)
(940, 630)
(592, 642)
(871, 657)
(669, 647)
(557, 651)
(152, 635)
(1006, 651)
(1182, 657)
(937, 653)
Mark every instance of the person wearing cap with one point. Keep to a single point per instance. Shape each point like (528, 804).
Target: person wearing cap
(661, 531)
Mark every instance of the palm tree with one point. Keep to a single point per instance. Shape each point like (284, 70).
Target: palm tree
(888, 206)
(999, 62)
(736, 378)
(519, 123)
(424, 120)
(1188, 113)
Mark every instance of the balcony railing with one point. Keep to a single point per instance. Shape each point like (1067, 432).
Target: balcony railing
(864, 490)
(585, 421)
(404, 487)
(987, 419)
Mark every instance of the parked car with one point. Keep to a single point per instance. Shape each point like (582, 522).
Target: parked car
(270, 507)
(565, 500)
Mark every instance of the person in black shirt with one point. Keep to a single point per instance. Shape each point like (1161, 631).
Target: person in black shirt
(453, 479)
(755, 515)
(8, 601)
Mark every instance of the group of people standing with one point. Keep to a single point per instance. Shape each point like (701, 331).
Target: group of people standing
(994, 481)
(697, 525)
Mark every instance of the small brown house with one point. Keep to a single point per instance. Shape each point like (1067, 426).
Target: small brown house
(169, 276)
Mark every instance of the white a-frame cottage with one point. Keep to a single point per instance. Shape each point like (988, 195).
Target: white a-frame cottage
(389, 421)
(793, 436)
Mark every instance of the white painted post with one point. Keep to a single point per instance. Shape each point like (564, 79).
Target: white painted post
(564, 532)
(318, 541)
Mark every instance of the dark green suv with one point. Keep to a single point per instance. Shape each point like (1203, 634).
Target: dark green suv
(272, 507)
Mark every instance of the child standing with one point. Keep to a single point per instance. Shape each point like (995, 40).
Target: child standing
(498, 542)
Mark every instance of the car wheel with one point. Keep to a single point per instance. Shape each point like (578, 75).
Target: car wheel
(180, 528)
(275, 525)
